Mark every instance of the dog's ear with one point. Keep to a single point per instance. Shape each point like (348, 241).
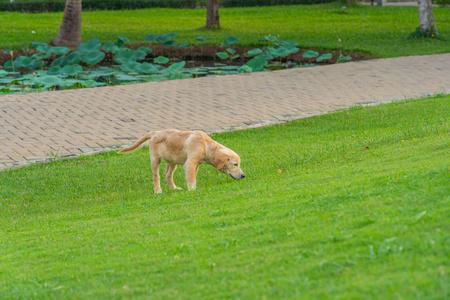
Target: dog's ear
(220, 159)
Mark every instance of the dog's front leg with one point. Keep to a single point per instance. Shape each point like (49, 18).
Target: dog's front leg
(156, 162)
(190, 169)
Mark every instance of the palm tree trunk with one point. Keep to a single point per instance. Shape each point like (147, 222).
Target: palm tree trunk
(426, 17)
(69, 34)
(212, 14)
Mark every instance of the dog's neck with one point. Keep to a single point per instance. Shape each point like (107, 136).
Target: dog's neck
(210, 153)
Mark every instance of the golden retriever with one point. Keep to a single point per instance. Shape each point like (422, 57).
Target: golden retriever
(187, 148)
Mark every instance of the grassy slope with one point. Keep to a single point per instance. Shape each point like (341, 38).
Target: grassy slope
(319, 215)
(378, 31)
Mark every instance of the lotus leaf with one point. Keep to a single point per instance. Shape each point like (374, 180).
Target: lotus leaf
(343, 59)
(145, 49)
(231, 51)
(254, 52)
(8, 66)
(109, 47)
(222, 55)
(54, 70)
(129, 66)
(177, 66)
(283, 52)
(41, 56)
(324, 56)
(161, 60)
(58, 50)
(71, 59)
(310, 54)
(3, 73)
(151, 38)
(165, 38)
(245, 69)
(28, 63)
(202, 38)
(234, 56)
(129, 55)
(127, 78)
(49, 81)
(92, 45)
(58, 62)
(183, 46)
(91, 83)
(257, 64)
(170, 43)
(231, 40)
(269, 38)
(93, 57)
(71, 70)
(146, 68)
(123, 39)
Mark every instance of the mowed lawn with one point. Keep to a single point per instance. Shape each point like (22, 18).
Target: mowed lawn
(376, 31)
(351, 205)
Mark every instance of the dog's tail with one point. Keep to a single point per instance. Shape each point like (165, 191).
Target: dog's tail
(138, 145)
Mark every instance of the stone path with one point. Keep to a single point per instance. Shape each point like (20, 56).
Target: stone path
(41, 126)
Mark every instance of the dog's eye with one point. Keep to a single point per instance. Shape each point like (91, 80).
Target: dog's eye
(236, 165)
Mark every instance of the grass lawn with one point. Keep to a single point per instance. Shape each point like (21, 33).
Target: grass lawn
(379, 31)
(352, 205)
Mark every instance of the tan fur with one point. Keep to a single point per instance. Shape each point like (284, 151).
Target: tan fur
(187, 148)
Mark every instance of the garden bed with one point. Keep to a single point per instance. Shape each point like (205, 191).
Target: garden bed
(93, 64)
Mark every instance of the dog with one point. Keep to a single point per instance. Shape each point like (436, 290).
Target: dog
(187, 148)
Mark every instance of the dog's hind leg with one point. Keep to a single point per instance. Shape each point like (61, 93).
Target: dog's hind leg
(170, 169)
(156, 162)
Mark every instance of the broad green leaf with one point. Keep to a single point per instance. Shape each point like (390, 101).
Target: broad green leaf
(151, 38)
(222, 55)
(72, 59)
(146, 68)
(72, 70)
(161, 60)
(324, 56)
(145, 49)
(257, 64)
(3, 73)
(343, 59)
(231, 51)
(254, 52)
(58, 50)
(202, 38)
(92, 45)
(245, 69)
(231, 40)
(93, 57)
(310, 54)
(170, 43)
(109, 47)
(183, 46)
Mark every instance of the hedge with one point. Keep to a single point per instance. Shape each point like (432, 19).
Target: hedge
(59, 5)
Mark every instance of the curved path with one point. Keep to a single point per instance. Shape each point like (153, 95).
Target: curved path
(41, 126)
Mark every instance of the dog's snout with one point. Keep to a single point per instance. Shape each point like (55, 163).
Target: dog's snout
(242, 176)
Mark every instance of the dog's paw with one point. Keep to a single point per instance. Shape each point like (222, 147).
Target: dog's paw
(158, 191)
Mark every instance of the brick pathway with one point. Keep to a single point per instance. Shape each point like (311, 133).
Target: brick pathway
(40, 126)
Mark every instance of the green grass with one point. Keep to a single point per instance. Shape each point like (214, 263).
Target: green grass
(379, 31)
(352, 205)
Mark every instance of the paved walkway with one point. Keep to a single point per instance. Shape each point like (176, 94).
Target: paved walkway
(40, 126)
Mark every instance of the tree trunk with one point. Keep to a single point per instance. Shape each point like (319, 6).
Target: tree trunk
(69, 34)
(212, 14)
(426, 17)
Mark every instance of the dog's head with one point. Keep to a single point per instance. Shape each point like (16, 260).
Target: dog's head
(228, 162)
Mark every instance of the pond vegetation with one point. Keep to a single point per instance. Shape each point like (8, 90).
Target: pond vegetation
(94, 64)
